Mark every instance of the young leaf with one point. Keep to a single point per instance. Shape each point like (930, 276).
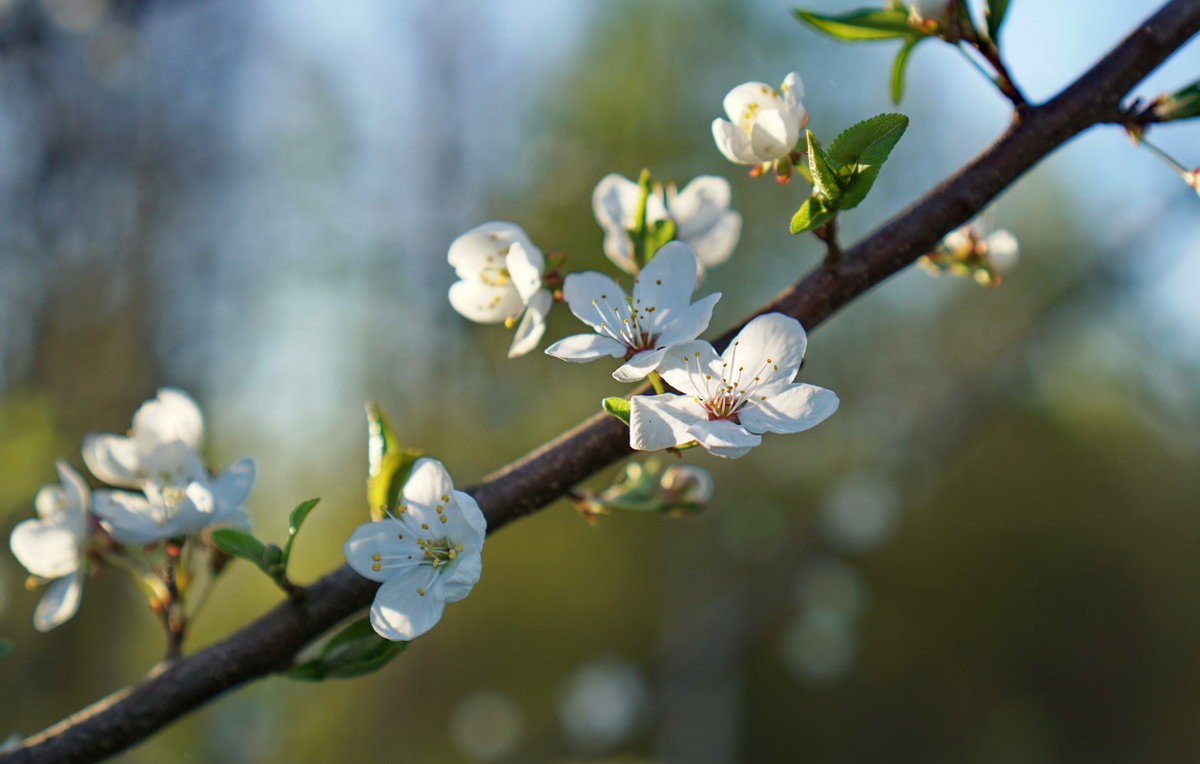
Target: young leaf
(861, 150)
(811, 214)
(865, 24)
(869, 141)
(353, 651)
(618, 407)
(995, 11)
(237, 543)
(658, 234)
(295, 520)
(900, 64)
(388, 464)
(824, 180)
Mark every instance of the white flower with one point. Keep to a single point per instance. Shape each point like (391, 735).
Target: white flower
(1192, 178)
(501, 280)
(53, 545)
(764, 123)
(700, 213)
(967, 251)
(729, 400)
(641, 328)
(159, 458)
(425, 555)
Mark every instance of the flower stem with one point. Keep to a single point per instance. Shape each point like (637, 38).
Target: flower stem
(657, 382)
(1163, 155)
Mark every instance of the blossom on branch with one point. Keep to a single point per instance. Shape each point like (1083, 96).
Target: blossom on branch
(639, 328)
(53, 546)
(700, 213)
(425, 554)
(159, 458)
(728, 401)
(968, 251)
(764, 123)
(501, 276)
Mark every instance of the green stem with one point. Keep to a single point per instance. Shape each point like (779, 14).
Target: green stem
(1163, 155)
(657, 381)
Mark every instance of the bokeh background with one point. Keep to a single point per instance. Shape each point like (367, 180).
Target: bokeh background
(990, 554)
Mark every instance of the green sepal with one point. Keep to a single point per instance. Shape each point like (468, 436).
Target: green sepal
(1182, 104)
(995, 10)
(811, 214)
(295, 520)
(388, 464)
(618, 407)
(900, 66)
(860, 152)
(353, 651)
(864, 24)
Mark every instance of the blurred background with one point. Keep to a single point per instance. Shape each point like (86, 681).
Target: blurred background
(990, 554)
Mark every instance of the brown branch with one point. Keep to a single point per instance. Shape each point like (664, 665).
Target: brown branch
(269, 643)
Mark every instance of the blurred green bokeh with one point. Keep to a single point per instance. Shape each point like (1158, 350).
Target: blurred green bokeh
(990, 554)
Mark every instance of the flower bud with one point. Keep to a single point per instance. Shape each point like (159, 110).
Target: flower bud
(687, 486)
(930, 15)
(1182, 104)
(1193, 179)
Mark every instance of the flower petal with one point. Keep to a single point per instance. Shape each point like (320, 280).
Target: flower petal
(428, 486)
(774, 134)
(692, 368)
(114, 459)
(749, 99)
(47, 548)
(170, 416)
(639, 366)
(378, 538)
(723, 437)
(400, 612)
(51, 501)
(485, 303)
(581, 348)
(794, 409)
(472, 514)
(687, 324)
(733, 142)
(662, 421)
(76, 492)
(129, 517)
(613, 202)
(699, 205)
(715, 244)
(459, 582)
(532, 326)
(231, 487)
(525, 267)
(483, 249)
(772, 344)
(667, 281)
(588, 295)
(59, 603)
(1002, 249)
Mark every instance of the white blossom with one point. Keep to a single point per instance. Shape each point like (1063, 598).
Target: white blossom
(764, 123)
(641, 328)
(500, 275)
(177, 494)
(728, 401)
(424, 555)
(926, 13)
(700, 213)
(53, 546)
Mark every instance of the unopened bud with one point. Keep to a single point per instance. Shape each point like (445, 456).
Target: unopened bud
(930, 15)
(1193, 179)
(1182, 104)
(687, 486)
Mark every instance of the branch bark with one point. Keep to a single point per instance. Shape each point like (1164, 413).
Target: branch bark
(270, 643)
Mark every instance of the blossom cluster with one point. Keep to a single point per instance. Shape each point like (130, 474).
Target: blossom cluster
(170, 495)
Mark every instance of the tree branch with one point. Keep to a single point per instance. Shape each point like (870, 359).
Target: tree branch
(270, 643)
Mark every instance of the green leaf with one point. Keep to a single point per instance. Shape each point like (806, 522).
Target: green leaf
(353, 651)
(295, 520)
(900, 65)
(1182, 104)
(618, 407)
(869, 141)
(657, 235)
(824, 180)
(860, 152)
(995, 12)
(237, 543)
(811, 214)
(864, 24)
(388, 464)
(6, 647)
